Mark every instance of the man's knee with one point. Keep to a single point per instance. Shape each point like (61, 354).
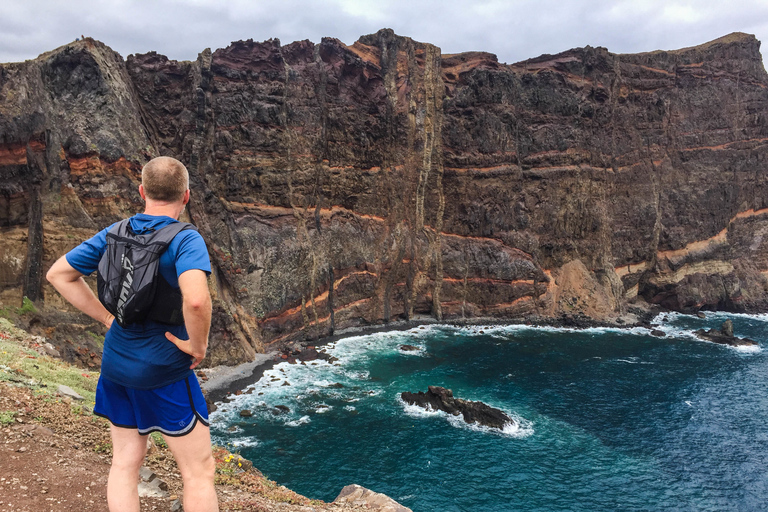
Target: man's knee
(128, 463)
(201, 469)
(210, 466)
(207, 467)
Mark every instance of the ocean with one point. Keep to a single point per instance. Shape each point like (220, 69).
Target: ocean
(605, 419)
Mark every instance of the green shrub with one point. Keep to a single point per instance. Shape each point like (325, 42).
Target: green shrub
(6, 417)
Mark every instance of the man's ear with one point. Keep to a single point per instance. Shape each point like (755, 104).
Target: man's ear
(186, 196)
(142, 194)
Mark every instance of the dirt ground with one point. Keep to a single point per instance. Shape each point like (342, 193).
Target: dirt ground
(55, 456)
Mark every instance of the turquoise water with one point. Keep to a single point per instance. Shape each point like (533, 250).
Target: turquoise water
(607, 419)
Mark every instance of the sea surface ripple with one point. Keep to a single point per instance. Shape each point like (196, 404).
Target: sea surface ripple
(606, 419)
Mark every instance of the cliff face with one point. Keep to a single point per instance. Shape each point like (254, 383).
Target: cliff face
(353, 185)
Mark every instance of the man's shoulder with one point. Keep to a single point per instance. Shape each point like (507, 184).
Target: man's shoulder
(190, 252)
(189, 241)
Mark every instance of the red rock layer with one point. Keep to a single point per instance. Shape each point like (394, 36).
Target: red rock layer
(354, 185)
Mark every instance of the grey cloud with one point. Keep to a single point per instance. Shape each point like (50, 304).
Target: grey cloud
(512, 29)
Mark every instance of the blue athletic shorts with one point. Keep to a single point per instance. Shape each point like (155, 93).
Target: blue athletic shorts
(173, 410)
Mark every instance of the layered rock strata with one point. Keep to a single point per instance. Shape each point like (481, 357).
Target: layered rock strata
(342, 186)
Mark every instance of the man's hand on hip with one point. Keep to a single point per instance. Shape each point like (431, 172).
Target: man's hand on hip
(186, 347)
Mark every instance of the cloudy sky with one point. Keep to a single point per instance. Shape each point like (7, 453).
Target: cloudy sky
(512, 29)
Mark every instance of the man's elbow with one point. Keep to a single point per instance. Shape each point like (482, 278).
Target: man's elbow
(198, 304)
(53, 276)
(61, 272)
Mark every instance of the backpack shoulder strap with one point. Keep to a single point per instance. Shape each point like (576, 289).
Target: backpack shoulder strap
(167, 233)
(162, 237)
(120, 229)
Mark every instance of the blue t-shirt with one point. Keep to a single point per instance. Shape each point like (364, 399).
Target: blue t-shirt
(140, 356)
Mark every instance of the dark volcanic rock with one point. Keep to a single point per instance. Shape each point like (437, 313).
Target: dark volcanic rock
(345, 186)
(441, 399)
(724, 336)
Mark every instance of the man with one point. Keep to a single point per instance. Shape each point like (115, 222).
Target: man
(147, 383)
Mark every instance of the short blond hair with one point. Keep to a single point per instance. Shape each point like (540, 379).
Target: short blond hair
(165, 179)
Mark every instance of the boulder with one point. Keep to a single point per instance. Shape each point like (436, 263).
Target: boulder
(441, 399)
(727, 328)
(68, 391)
(724, 336)
(360, 496)
(151, 486)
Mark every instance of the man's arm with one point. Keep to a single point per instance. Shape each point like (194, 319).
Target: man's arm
(196, 306)
(71, 285)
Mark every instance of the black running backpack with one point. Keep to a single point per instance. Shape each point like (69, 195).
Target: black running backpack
(129, 283)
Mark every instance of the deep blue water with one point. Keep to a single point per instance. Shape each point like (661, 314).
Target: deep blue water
(608, 420)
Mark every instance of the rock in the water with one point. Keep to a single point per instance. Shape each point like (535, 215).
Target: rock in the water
(245, 413)
(658, 333)
(408, 348)
(441, 399)
(724, 336)
(701, 315)
(727, 328)
(357, 495)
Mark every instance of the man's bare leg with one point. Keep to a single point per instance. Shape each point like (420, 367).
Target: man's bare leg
(194, 457)
(128, 451)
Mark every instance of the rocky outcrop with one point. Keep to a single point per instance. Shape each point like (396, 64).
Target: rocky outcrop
(440, 399)
(341, 186)
(360, 496)
(725, 336)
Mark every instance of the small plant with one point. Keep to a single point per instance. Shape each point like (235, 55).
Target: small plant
(27, 306)
(97, 338)
(76, 409)
(157, 438)
(103, 448)
(6, 417)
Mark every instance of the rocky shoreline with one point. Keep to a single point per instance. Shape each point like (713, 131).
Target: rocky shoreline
(221, 381)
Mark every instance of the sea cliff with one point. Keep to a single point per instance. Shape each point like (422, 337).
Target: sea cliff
(342, 186)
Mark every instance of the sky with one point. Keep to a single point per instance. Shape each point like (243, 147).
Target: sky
(514, 30)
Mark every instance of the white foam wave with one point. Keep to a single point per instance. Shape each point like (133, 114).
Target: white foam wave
(748, 349)
(515, 430)
(301, 421)
(710, 315)
(243, 442)
(418, 412)
(670, 331)
(420, 351)
(633, 360)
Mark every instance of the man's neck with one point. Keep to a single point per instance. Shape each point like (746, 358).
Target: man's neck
(171, 210)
